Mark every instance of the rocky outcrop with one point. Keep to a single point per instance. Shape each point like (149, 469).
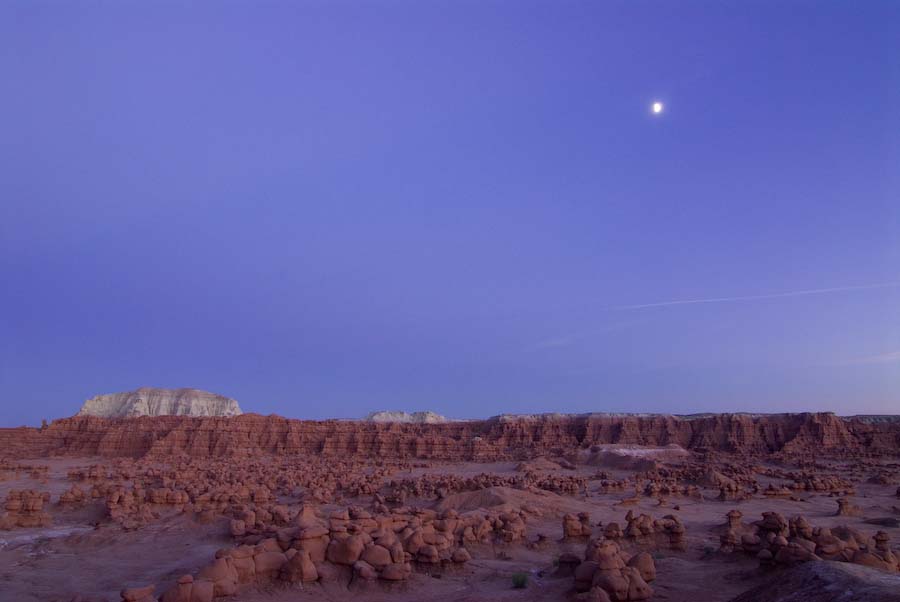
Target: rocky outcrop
(779, 542)
(149, 401)
(416, 417)
(485, 440)
(25, 509)
(351, 545)
(607, 573)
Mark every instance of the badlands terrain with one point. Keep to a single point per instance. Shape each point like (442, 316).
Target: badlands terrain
(515, 508)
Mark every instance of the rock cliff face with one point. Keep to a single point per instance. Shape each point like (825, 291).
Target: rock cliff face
(484, 440)
(148, 401)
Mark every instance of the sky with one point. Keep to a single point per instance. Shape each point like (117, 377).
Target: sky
(324, 209)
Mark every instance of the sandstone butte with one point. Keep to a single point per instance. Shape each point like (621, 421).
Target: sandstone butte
(478, 440)
(152, 401)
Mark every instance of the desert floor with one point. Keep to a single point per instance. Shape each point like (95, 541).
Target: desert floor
(84, 553)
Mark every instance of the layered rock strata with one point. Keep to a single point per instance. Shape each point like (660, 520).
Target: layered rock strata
(485, 440)
(149, 401)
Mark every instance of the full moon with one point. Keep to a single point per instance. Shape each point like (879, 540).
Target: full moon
(657, 108)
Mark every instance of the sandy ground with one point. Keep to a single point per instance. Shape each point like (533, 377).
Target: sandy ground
(83, 553)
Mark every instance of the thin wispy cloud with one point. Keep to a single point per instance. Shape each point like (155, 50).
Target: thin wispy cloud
(891, 357)
(802, 293)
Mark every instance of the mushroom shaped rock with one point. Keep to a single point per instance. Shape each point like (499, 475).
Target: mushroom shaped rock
(346, 551)
(584, 575)
(364, 570)
(428, 554)
(613, 582)
(461, 555)
(637, 587)
(377, 556)
(299, 568)
(606, 554)
(267, 564)
(643, 562)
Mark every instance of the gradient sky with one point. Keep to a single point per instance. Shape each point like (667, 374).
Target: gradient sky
(323, 209)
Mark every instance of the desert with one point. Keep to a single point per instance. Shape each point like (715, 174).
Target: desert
(449, 301)
(177, 508)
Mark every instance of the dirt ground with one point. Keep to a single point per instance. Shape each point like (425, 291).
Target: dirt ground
(83, 553)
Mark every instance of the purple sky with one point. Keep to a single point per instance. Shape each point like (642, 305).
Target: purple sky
(327, 208)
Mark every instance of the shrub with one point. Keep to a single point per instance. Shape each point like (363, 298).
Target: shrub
(520, 580)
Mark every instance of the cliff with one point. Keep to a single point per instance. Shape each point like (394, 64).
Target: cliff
(501, 437)
(149, 401)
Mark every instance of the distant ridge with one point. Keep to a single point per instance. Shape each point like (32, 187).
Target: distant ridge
(150, 401)
(867, 418)
(874, 418)
(475, 440)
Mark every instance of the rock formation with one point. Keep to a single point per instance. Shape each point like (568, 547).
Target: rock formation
(482, 440)
(608, 573)
(576, 526)
(380, 546)
(415, 417)
(372, 506)
(149, 401)
(777, 541)
(25, 509)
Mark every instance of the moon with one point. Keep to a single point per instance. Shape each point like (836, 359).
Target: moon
(657, 107)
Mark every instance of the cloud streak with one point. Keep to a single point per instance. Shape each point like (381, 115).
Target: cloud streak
(815, 291)
(891, 357)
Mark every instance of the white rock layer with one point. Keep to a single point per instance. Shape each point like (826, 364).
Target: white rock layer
(149, 401)
(419, 417)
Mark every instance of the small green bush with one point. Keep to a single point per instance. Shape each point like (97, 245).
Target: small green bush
(520, 580)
